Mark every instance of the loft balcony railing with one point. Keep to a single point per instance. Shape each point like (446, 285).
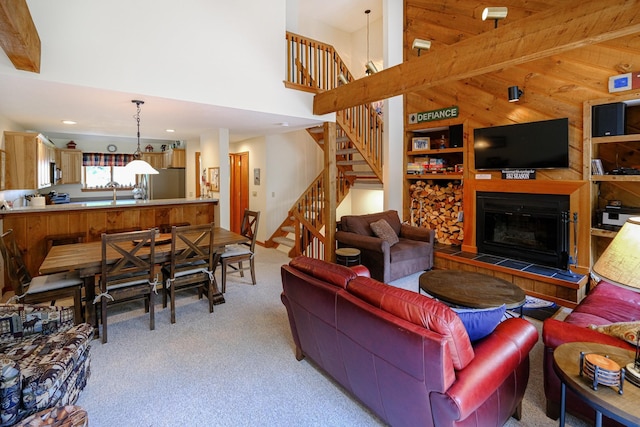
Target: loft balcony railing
(314, 66)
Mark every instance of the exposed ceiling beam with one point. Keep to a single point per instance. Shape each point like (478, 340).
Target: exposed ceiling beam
(18, 35)
(570, 26)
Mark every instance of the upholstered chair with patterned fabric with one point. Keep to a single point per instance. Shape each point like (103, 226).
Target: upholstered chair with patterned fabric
(44, 359)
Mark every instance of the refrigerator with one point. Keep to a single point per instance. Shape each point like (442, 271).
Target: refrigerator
(168, 184)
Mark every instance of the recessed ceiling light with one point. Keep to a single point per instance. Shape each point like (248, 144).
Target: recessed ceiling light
(170, 130)
(69, 122)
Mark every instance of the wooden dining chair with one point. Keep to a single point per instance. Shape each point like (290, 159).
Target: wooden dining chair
(39, 289)
(64, 239)
(234, 255)
(192, 264)
(127, 272)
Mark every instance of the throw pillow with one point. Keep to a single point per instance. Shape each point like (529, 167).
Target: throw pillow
(627, 331)
(480, 322)
(383, 230)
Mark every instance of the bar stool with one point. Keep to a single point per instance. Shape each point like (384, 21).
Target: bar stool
(348, 256)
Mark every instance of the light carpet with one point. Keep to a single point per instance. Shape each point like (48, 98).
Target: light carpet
(233, 367)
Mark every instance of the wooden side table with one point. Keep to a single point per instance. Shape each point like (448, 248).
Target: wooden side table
(348, 256)
(623, 408)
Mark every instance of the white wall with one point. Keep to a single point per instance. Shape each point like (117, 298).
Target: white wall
(225, 53)
(288, 163)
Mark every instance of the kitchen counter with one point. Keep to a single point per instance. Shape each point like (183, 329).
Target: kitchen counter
(102, 204)
(32, 224)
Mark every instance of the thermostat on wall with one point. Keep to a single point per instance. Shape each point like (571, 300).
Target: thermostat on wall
(623, 82)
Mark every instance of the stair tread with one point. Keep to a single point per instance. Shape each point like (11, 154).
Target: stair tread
(288, 228)
(359, 173)
(339, 139)
(284, 241)
(351, 162)
(344, 151)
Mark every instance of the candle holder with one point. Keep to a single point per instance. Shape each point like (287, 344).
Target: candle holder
(600, 369)
(633, 368)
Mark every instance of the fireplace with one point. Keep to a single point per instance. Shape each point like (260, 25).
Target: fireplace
(527, 227)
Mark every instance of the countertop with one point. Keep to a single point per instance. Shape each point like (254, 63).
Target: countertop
(104, 204)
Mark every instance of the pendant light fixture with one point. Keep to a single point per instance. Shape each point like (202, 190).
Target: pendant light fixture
(137, 165)
(370, 67)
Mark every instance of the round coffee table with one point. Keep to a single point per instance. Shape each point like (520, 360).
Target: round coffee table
(605, 400)
(470, 289)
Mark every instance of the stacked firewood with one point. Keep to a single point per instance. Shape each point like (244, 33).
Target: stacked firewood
(438, 206)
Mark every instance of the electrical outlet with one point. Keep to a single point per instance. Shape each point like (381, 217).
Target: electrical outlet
(273, 194)
(254, 193)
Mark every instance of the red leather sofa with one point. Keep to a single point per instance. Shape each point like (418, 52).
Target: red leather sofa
(605, 304)
(407, 357)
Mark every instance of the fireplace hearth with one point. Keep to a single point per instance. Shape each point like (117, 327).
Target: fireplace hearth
(527, 227)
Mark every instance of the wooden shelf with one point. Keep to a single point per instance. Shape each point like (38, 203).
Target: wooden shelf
(599, 232)
(613, 178)
(435, 151)
(615, 138)
(438, 175)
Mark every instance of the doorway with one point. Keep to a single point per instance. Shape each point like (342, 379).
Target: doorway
(239, 188)
(198, 175)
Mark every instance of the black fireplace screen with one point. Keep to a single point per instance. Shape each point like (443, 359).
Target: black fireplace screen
(527, 227)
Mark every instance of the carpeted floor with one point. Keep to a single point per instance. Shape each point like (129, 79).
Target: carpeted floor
(233, 367)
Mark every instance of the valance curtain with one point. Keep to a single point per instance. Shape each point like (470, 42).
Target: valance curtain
(105, 159)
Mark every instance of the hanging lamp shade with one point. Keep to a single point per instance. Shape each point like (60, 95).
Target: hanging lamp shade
(140, 167)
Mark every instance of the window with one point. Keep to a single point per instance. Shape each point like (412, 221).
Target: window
(102, 176)
(103, 169)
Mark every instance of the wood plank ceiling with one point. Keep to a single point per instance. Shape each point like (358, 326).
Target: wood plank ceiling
(554, 86)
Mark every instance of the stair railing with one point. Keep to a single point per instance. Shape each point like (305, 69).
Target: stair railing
(314, 66)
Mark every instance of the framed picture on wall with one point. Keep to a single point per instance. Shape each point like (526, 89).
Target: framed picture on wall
(214, 178)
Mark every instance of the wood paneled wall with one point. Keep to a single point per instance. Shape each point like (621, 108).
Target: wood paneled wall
(554, 87)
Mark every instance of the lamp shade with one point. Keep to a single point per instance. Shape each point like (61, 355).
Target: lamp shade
(514, 94)
(371, 68)
(494, 13)
(140, 167)
(620, 262)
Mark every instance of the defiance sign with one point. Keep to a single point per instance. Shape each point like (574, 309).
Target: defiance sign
(429, 116)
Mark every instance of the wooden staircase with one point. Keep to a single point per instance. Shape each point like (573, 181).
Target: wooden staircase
(313, 67)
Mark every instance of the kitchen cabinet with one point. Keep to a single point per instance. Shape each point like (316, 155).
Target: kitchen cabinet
(175, 158)
(617, 184)
(70, 163)
(29, 159)
(3, 175)
(156, 160)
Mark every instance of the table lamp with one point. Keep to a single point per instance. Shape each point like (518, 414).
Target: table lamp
(620, 265)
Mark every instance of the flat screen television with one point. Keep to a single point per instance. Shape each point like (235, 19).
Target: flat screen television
(533, 145)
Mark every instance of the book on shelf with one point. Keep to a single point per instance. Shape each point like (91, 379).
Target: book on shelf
(596, 167)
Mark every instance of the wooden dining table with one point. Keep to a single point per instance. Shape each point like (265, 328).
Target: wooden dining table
(86, 259)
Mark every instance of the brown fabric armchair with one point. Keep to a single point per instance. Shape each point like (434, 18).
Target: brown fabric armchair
(387, 262)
